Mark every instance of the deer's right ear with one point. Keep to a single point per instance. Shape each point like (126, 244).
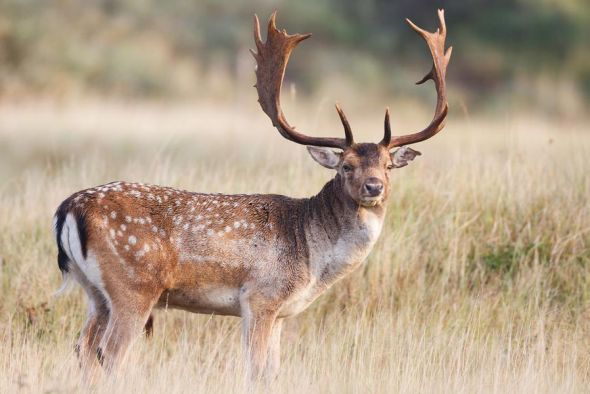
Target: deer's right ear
(325, 156)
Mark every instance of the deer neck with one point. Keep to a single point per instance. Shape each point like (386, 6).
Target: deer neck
(340, 233)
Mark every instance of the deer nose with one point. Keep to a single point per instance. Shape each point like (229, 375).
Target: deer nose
(373, 187)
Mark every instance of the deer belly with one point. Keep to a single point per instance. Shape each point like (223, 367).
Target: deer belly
(219, 300)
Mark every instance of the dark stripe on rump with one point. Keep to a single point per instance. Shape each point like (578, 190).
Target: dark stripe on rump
(82, 233)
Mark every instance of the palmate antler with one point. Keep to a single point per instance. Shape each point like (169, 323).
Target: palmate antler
(440, 57)
(271, 59)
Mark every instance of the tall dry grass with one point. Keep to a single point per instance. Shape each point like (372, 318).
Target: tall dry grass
(480, 281)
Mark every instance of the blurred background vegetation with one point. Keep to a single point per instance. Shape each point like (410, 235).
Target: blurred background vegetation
(533, 54)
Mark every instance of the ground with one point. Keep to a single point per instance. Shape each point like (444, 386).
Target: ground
(480, 281)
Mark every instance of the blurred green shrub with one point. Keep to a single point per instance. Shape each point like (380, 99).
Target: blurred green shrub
(175, 48)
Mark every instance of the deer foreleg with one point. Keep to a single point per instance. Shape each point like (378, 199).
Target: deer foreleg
(273, 363)
(258, 326)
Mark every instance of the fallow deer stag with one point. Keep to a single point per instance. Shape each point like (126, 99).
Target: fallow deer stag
(133, 247)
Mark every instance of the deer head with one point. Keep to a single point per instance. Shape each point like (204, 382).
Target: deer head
(364, 168)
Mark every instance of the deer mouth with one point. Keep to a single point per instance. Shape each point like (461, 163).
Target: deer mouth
(370, 201)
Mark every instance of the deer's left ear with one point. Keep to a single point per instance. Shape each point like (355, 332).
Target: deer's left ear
(325, 156)
(400, 157)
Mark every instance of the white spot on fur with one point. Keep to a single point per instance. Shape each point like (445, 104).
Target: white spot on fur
(113, 215)
(128, 219)
(132, 240)
(123, 227)
(112, 233)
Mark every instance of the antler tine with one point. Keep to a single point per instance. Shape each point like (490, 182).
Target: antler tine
(346, 125)
(257, 37)
(271, 60)
(440, 57)
(387, 129)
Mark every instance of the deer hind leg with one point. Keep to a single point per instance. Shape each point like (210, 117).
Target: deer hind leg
(128, 317)
(91, 334)
(96, 322)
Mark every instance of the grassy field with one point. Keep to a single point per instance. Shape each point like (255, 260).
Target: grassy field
(480, 281)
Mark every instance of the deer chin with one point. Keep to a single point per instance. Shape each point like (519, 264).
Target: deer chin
(370, 202)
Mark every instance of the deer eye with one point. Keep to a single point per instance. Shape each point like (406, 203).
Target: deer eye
(347, 167)
(390, 167)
